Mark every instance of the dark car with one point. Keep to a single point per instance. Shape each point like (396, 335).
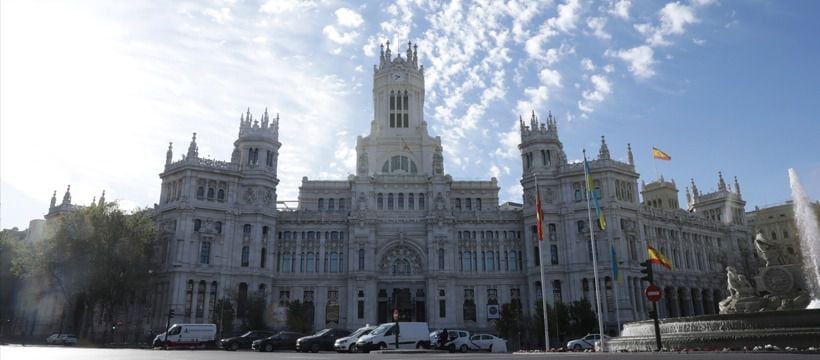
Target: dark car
(322, 340)
(244, 341)
(282, 340)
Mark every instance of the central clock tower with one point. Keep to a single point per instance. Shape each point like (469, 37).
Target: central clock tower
(398, 132)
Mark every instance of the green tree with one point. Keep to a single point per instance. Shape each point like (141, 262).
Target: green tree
(509, 323)
(223, 315)
(255, 313)
(583, 319)
(98, 257)
(298, 317)
(10, 241)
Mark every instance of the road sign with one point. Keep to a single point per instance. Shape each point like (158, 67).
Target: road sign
(395, 314)
(653, 292)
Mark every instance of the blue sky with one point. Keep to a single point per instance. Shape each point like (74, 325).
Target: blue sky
(91, 92)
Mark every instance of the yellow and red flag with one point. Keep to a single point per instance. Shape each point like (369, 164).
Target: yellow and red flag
(656, 257)
(659, 154)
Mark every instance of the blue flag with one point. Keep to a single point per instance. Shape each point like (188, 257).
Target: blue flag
(616, 273)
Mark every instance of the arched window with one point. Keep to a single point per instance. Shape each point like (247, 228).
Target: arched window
(331, 204)
(342, 204)
(399, 163)
(263, 257)
(212, 298)
(361, 259)
(401, 201)
(468, 204)
(218, 227)
(401, 267)
(582, 226)
(441, 259)
(410, 201)
(246, 229)
(490, 261)
(197, 224)
(390, 201)
(380, 201)
(220, 195)
(200, 192)
(287, 263)
(556, 291)
(189, 297)
(210, 193)
(200, 299)
(421, 201)
(246, 254)
(321, 204)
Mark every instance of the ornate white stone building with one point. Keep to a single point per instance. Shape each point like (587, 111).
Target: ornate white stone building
(402, 233)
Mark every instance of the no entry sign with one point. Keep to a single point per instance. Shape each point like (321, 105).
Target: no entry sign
(653, 293)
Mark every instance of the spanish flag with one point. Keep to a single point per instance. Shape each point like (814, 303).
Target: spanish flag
(539, 214)
(656, 257)
(660, 155)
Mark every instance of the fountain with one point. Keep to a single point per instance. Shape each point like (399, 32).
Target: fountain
(779, 310)
(806, 221)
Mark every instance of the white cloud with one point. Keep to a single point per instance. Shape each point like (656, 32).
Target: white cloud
(349, 18)
(587, 64)
(596, 24)
(699, 41)
(274, 7)
(674, 17)
(601, 87)
(550, 77)
(620, 9)
(220, 16)
(535, 99)
(568, 14)
(339, 37)
(640, 60)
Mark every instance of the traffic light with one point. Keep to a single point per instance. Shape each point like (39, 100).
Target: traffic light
(171, 314)
(647, 269)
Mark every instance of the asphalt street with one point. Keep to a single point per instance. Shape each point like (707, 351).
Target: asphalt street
(18, 352)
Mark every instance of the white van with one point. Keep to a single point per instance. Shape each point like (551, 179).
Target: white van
(412, 335)
(188, 335)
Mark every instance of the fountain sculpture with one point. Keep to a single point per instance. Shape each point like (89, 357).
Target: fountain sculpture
(774, 312)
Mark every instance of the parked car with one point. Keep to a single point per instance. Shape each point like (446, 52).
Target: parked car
(245, 340)
(187, 335)
(322, 340)
(284, 340)
(412, 335)
(62, 339)
(586, 342)
(348, 343)
(489, 342)
(459, 340)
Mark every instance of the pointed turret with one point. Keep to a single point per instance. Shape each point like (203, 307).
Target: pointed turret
(102, 199)
(53, 200)
(67, 196)
(629, 154)
(603, 153)
(688, 198)
(737, 186)
(193, 149)
(721, 183)
(695, 192)
(169, 155)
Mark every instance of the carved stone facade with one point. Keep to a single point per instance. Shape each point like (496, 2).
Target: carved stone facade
(403, 234)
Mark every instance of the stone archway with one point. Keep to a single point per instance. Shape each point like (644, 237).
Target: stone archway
(401, 260)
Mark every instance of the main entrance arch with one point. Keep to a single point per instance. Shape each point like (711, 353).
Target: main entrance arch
(401, 284)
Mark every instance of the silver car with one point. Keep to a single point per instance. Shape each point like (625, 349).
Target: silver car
(586, 342)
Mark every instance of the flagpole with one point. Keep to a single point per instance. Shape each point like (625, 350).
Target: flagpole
(615, 284)
(594, 254)
(655, 165)
(543, 276)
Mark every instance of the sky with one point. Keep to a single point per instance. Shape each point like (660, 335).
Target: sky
(92, 92)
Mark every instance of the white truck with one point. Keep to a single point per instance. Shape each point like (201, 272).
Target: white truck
(187, 335)
(412, 335)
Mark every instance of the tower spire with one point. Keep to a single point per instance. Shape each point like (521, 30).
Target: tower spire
(603, 153)
(102, 199)
(721, 183)
(169, 155)
(737, 186)
(53, 200)
(629, 154)
(193, 150)
(67, 196)
(695, 192)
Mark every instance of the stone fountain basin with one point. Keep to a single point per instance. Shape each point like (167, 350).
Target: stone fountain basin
(793, 328)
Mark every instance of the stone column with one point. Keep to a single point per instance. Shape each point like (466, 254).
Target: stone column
(697, 302)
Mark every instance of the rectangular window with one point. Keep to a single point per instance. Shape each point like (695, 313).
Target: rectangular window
(205, 253)
(554, 254)
(392, 120)
(442, 308)
(360, 309)
(246, 254)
